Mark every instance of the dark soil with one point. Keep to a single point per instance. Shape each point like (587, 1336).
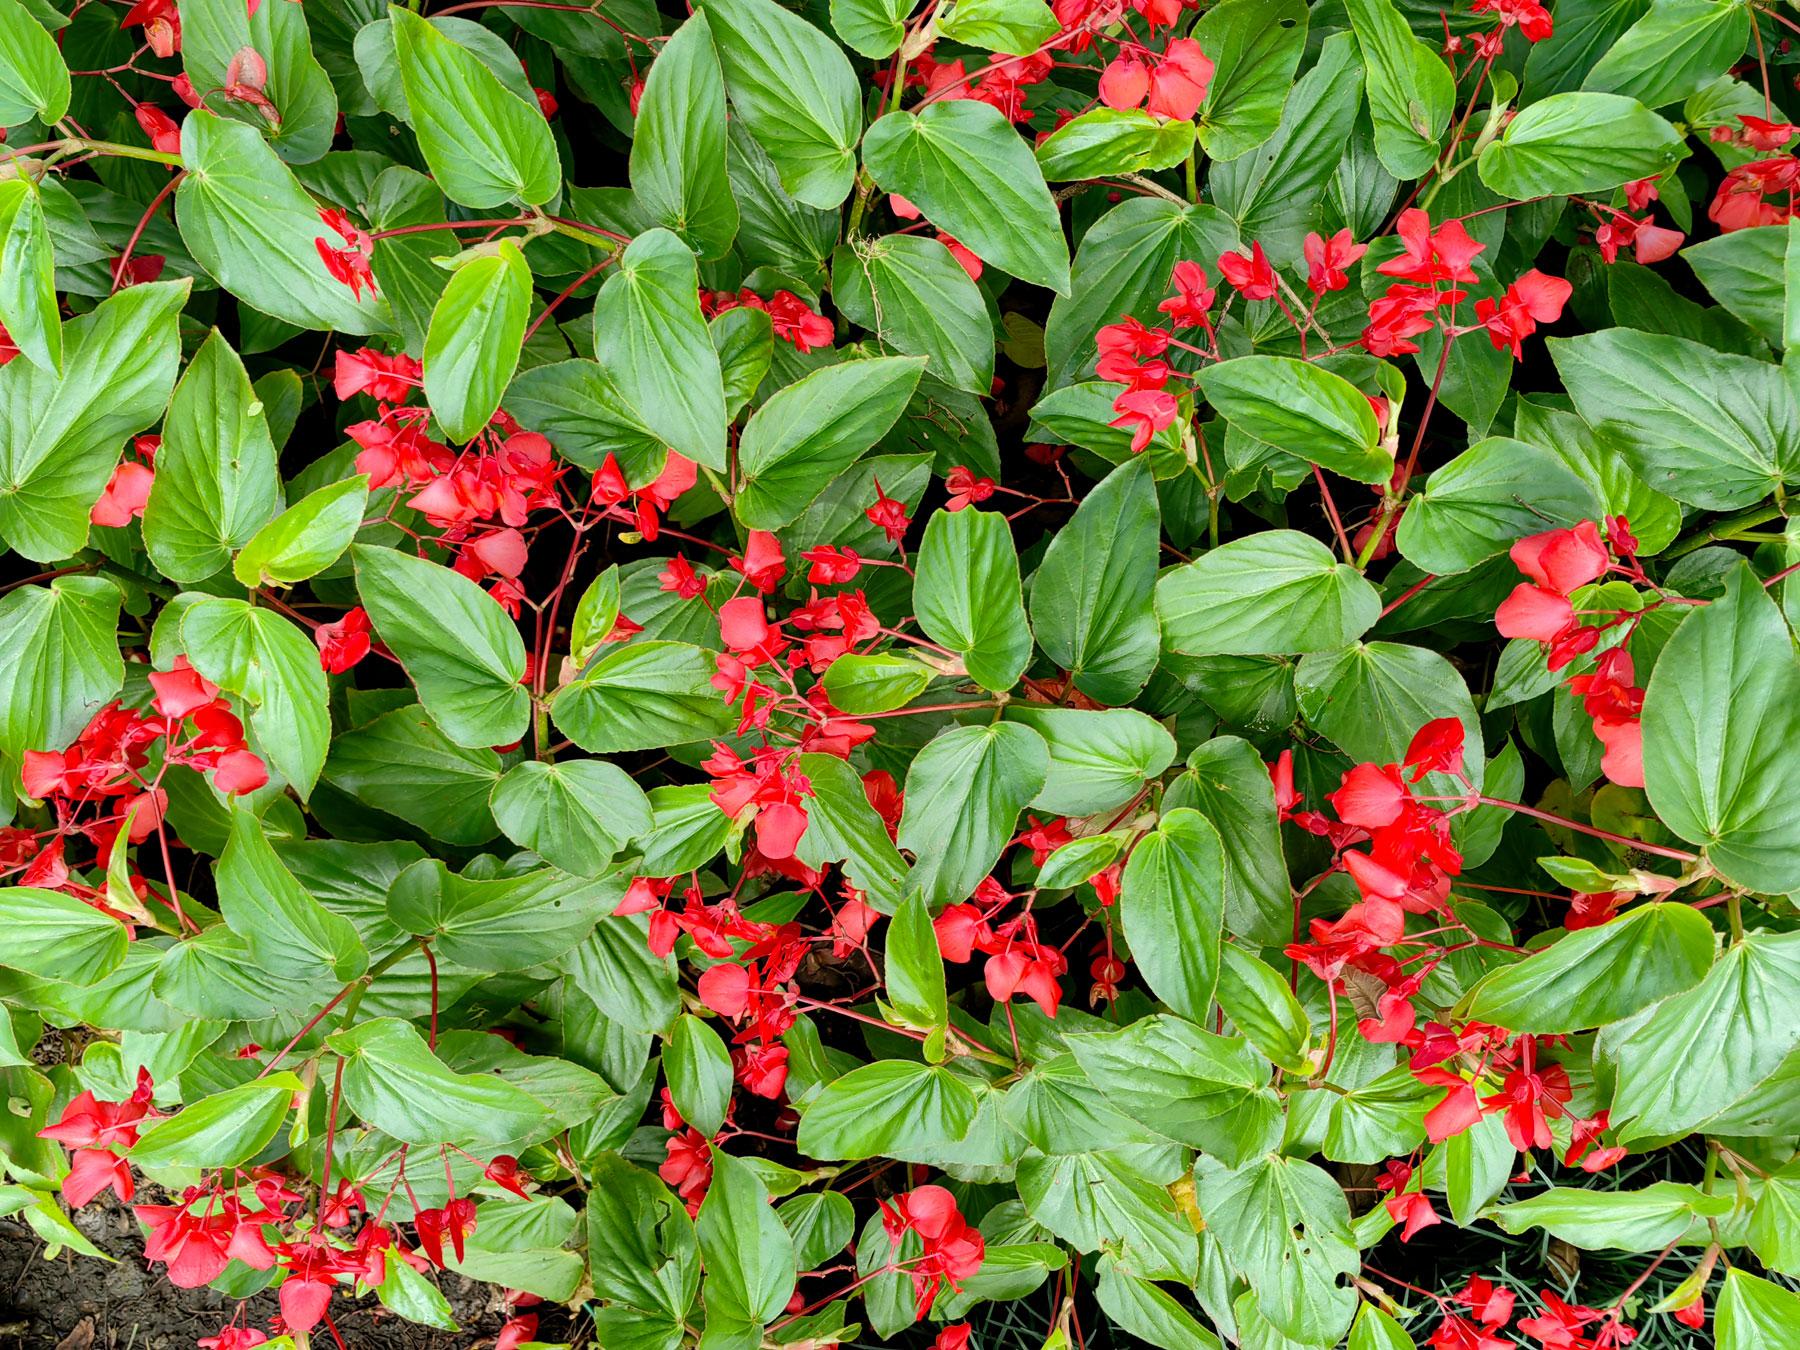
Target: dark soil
(78, 1303)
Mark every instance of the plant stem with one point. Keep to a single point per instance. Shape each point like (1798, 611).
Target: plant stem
(1608, 835)
(1724, 530)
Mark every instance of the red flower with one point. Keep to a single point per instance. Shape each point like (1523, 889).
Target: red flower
(1431, 257)
(888, 515)
(1178, 84)
(384, 378)
(1146, 412)
(161, 22)
(343, 642)
(688, 1166)
(762, 1069)
(831, 566)
(1692, 1314)
(349, 265)
(1492, 1307)
(1326, 260)
(1437, 747)
(679, 576)
(1252, 276)
(1533, 299)
(546, 102)
(503, 1171)
(1761, 134)
(125, 496)
(761, 562)
(1458, 1333)
(1133, 338)
(455, 1221)
(850, 926)
(233, 1338)
(1193, 297)
(1460, 1109)
(1371, 795)
(952, 1338)
(1409, 1207)
(953, 1251)
(164, 132)
(1125, 82)
(725, 989)
(1532, 19)
(964, 488)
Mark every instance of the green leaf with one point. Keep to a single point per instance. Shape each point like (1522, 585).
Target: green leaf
(472, 347)
(485, 145)
(1633, 1221)
(226, 1130)
(615, 968)
(500, 923)
(914, 970)
(875, 683)
(641, 1247)
(1495, 492)
(1302, 409)
(59, 663)
(56, 937)
(1375, 1330)
(795, 91)
(820, 1225)
(1411, 90)
(1107, 142)
(678, 168)
(214, 31)
(1275, 593)
(1099, 760)
(1091, 1199)
(745, 340)
(1208, 1092)
(251, 226)
(1594, 976)
(1231, 788)
(1477, 1165)
(1722, 702)
(1254, 46)
(415, 1298)
(1092, 598)
(216, 479)
(1745, 272)
(1774, 1232)
(1699, 1050)
(461, 649)
(1677, 49)
(401, 763)
(962, 164)
(60, 438)
(750, 1267)
(1143, 1309)
(917, 299)
(289, 934)
(1371, 698)
(1170, 904)
(1286, 1226)
(699, 1071)
(263, 659)
(1585, 30)
(812, 430)
(1655, 519)
(1571, 143)
(964, 793)
(643, 696)
(34, 79)
(871, 28)
(306, 538)
(576, 406)
(28, 305)
(967, 594)
(1262, 1006)
(575, 815)
(394, 1082)
(1757, 1315)
(888, 1107)
(1012, 27)
(1705, 427)
(653, 345)
(841, 826)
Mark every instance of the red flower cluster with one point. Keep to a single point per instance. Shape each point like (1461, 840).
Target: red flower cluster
(1533, 299)
(1017, 962)
(1430, 259)
(1002, 85)
(1173, 81)
(128, 490)
(650, 502)
(344, 642)
(161, 22)
(953, 1250)
(1530, 17)
(1740, 202)
(794, 321)
(91, 1130)
(772, 784)
(384, 378)
(349, 263)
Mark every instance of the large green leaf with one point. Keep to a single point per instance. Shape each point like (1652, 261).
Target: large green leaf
(1092, 607)
(1757, 1315)
(59, 663)
(1148, 1312)
(654, 346)
(964, 793)
(57, 937)
(1123, 268)
(402, 764)
(289, 934)
(34, 79)
(1275, 593)
(1208, 1092)
(641, 697)
(1572, 143)
(1721, 706)
(472, 347)
(1107, 142)
(251, 226)
(914, 969)
(1496, 491)
(226, 1130)
(213, 32)
(1585, 32)
(305, 539)
(1092, 1200)
(484, 143)
(575, 815)
(917, 299)
(841, 826)
(1099, 759)
(60, 438)
(1302, 409)
(216, 480)
(1745, 272)
(698, 1067)
(872, 28)
(1598, 975)
(814, 429)
(629, 983)
(575, 405)
(1228, 783)
(499, 923)
(461, 649)
(28, 304)
(1676, 49)
(796, 93)
(641, 1248)
(962, 164)
(967, 595)
(1371, 698)
(1711, 1045)
(750, 1267)
(1411, 90)
(678, 164)
(266, 661)
(1254, 46)
(1707, 428)
(1634, 1221)
(1171, 905)
(887, 1107)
